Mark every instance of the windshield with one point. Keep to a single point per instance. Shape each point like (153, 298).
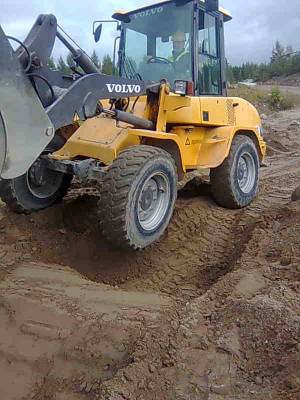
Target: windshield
(157, 44)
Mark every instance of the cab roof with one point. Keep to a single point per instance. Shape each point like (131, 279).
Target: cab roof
(121, 14)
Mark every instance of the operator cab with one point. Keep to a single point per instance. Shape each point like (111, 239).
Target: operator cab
(175, 40)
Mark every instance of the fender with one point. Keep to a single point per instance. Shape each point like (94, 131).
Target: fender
(201, 147)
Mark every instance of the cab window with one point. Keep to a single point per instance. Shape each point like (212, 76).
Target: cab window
(153, 48)
(208, 53)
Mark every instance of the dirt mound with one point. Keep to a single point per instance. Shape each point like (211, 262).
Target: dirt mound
(211, 311)
(61, 333)
(240, 339)
(67, 234)
(290, 80)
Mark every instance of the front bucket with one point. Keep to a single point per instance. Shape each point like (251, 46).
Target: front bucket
(25, 128)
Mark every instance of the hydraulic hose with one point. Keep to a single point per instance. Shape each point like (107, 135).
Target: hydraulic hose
(131, 119)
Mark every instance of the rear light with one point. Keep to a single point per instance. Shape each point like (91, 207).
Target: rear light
(184, 88)
(190, 90)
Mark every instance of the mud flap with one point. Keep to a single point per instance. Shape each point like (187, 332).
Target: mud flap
(25, 128)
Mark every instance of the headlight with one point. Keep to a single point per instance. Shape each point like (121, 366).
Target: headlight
(184, 88)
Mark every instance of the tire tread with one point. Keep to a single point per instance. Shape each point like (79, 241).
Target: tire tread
(115, 190)
(220, 176)
(13, 200)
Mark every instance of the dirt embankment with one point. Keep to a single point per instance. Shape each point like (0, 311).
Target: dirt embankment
(210, 312)
(291, 80)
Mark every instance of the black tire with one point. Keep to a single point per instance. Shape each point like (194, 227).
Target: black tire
(124, 193)
(227, 189)
(18, 196)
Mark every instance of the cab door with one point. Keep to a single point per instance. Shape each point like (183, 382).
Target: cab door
(209, 54)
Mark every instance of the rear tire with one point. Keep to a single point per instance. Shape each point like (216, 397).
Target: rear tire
(137, 197)
(235, 182)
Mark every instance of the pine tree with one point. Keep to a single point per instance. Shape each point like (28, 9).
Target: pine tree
(284, 62)
(51, 63)
(96, 60)
(229, 73)
(70, 61)
(289, 49)
(107, 65)
(277, 52)
(62, 66)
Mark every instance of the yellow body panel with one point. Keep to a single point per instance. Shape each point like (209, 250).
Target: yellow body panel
(216, 107)
(202, 128)
(97, 138)
(199, 147)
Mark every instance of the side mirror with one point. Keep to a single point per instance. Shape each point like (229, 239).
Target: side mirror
(97, 33)
(212, 5)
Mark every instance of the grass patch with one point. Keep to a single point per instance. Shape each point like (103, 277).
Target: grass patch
(279, 101)
(266, 100)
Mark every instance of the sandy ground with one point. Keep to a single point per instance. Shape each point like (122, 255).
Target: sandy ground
(211, 312)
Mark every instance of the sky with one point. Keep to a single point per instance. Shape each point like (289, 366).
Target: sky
(250, 36)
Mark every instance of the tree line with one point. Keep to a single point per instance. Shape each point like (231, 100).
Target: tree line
(284, 62)
(67, 64)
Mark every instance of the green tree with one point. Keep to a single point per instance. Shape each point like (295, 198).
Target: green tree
(51, 63)
(96, 60)
(229, 73)
(284, 62)
(62, 66)
(70, 61)
(289, 49)
(107, 65)
(295, 64)
(277, 52)
(237, 73)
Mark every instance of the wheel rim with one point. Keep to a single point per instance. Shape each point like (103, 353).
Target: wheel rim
(42, 181)
(246, 172)
(154, 200)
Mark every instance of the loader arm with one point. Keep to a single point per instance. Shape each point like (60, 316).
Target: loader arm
(36, 101)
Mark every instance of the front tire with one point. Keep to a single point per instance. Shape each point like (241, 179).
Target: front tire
(235, 182)
(138, 197)
(37, 189)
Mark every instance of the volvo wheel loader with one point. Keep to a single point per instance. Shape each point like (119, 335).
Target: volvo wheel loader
(165, 112)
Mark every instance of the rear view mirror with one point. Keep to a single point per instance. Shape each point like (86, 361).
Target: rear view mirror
(97, 33)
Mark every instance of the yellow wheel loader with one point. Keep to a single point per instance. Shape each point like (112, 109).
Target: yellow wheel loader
(163, 113)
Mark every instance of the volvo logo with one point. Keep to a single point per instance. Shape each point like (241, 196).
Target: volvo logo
(148, 13)
(123, 88)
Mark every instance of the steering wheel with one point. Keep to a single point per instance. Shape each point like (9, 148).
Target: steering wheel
(159, 60)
